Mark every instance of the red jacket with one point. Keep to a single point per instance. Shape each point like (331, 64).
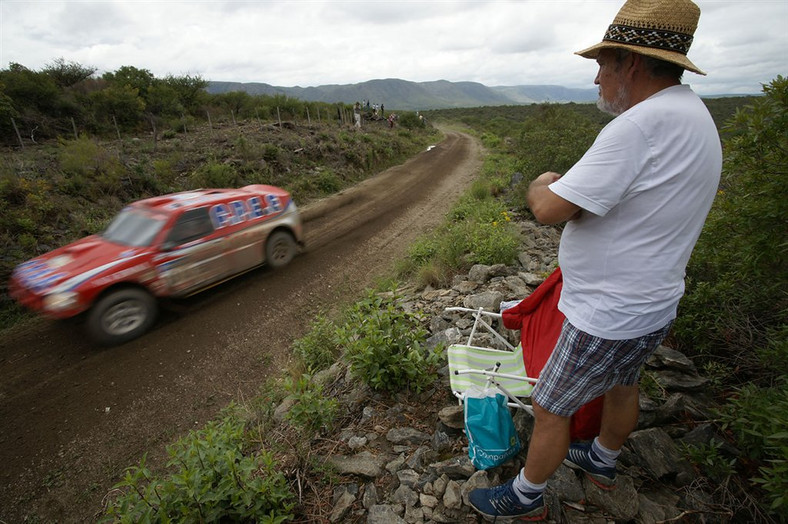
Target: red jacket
(539, 321)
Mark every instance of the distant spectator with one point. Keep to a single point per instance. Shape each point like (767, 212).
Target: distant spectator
(357, 114)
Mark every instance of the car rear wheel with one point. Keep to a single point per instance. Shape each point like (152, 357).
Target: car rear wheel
(280, 248)
(121, 316)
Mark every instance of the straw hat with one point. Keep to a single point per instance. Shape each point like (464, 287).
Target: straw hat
(659, 28)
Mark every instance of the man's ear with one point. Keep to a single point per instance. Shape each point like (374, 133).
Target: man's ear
(633, 66)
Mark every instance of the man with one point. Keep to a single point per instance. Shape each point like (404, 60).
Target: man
(634, 205)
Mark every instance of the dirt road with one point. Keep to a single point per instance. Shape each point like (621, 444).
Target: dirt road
(74, 416)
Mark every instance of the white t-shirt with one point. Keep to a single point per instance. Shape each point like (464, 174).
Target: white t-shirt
(645, 187)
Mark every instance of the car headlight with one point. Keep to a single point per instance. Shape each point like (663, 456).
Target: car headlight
(60, 301)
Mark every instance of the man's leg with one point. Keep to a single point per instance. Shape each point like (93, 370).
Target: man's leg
(619, 416)
(548, 446)
(523, 496)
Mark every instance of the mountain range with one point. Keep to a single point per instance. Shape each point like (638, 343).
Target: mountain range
(404, 95)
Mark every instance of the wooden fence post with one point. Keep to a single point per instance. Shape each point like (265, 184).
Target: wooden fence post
(18, 136)
(155, 138)
(117, 129)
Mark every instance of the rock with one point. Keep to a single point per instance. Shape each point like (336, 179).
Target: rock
(453, 416)
(479, 274)
(676, 380)
(531, 279)
(284, 407)
(518, 287)
(370, 496)
(621, 503)
(465, 287)
(664, 356)
(489, 300)
(343, 501)
(455, 468)
(407, 478)
(386, 514)
(657, 507)
(365, 464)
(679, 405)
(409, 436)
(706, 435)
(429, 501)
(656, 452)
(441, 442)
(565, 483)
(405, 495)
(452, 497)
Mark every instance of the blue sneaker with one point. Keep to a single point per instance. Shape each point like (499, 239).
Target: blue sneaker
(579, 457)
(501, 501)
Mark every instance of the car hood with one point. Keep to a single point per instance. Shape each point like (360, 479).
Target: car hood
(69, 266)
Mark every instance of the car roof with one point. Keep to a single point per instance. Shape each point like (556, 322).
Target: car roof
(201, 197)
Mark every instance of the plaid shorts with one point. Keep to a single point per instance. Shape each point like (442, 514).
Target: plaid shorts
(583, 367)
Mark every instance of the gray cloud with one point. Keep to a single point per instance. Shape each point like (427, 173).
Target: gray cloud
(502, 42)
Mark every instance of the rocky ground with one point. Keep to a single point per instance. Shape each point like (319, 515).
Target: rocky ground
(405, 460)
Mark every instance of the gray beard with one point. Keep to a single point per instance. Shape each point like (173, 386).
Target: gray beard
(616, 106)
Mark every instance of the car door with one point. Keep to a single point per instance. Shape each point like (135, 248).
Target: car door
(195, 258)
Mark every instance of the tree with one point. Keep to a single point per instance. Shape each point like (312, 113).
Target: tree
(122, 102)
(132, 77)
(67, 74)
(190, 91)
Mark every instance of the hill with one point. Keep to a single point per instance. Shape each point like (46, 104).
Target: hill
(413, 96)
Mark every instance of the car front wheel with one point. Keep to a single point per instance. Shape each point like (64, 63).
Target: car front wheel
(121, 316)
(280, 248)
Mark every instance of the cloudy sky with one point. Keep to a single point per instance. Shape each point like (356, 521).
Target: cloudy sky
(740, 44)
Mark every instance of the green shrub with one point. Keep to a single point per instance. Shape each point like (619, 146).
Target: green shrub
(89, 170)
(312, 409)
(319, 348)
(327, 182)
(758, 419)
(711, 460)
(270, 152)
(409, 120)
(214, 175)
(214, 481)
(494, 242)
(382, 344)
(478, 231)
(735, 309)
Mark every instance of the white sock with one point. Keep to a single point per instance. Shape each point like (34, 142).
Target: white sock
(526, 490)
(606, 457)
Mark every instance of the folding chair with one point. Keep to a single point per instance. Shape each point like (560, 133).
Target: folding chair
(539, 321)
(473, 365)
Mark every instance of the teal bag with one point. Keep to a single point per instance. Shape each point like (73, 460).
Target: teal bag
(492, 438)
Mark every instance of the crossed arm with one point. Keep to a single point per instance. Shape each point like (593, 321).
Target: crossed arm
(547, 207)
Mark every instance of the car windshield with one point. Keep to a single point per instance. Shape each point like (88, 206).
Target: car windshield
(134, 227)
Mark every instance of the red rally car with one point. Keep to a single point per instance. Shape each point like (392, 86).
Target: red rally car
(168, 246)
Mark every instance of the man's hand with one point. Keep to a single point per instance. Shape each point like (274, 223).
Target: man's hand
(547, 207)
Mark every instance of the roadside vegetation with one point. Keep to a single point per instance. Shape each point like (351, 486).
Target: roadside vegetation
(250, 463)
